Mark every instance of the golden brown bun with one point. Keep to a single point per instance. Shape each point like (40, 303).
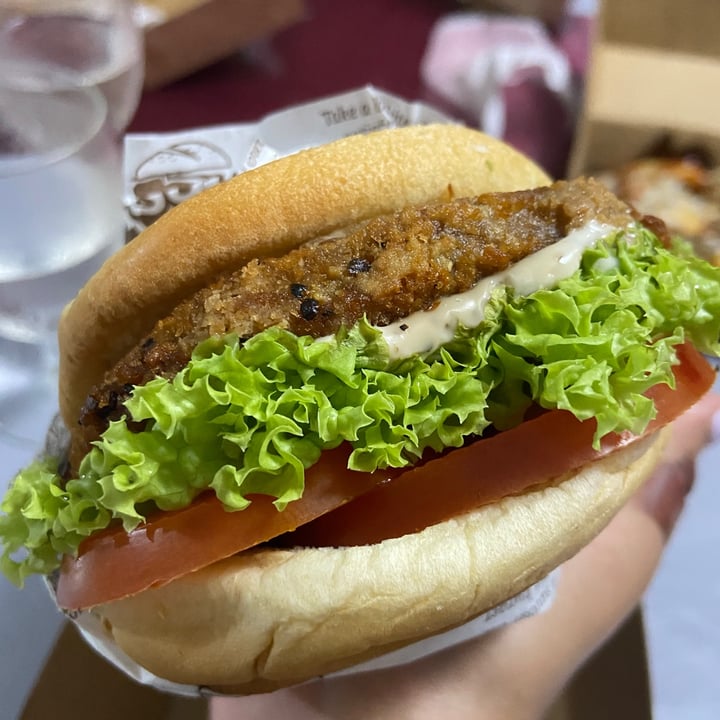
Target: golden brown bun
(267, 211)
(271, 618)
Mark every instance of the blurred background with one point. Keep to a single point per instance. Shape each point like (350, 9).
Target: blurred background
(625, 90)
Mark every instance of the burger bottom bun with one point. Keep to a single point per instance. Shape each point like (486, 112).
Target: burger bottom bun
(270, 618)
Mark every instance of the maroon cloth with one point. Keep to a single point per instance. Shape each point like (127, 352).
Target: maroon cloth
(339, 46)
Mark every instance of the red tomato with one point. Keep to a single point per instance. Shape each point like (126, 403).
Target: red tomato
(113, 563)
(384, 504)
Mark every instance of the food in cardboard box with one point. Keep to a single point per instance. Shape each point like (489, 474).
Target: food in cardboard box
(459, 355)
(682, 191)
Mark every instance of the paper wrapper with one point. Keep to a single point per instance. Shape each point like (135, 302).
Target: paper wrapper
(162, 170)
(534, 600)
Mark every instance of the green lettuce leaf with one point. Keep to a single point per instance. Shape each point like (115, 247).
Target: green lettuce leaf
(251, 417)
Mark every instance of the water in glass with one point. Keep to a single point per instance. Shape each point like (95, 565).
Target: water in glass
(60, 201)
(94, 42)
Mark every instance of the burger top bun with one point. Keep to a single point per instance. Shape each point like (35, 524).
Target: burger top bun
(268, 211)
(270, 618)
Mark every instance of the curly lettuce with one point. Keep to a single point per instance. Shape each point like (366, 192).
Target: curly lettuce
(251, 417)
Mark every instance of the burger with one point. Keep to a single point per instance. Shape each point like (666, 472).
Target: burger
(354, 398)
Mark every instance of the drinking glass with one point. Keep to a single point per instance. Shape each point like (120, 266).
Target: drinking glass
(60, 218)
(70, 79)
(81, 43)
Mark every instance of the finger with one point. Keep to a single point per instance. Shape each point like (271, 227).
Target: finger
(662, 497)
(695, 428)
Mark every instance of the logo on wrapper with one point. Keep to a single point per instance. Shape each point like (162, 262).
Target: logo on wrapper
(171, 175)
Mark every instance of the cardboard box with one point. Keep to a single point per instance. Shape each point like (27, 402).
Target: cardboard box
(196, 33)
(77, 684)
(654, 78)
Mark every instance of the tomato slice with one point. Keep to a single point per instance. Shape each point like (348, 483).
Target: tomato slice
(113, 564)
(366, 507)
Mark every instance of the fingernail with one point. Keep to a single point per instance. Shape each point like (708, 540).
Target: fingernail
(663, 495)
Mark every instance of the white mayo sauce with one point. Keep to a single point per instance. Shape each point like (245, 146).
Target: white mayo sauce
(426, 330)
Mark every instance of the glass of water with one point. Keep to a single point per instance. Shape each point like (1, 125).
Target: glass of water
(92, 43)
(60, 218)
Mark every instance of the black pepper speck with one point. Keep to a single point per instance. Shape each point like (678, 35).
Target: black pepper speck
(358, 265)
(309, 308)
(298, 290)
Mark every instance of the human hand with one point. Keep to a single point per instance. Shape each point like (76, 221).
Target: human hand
(517, 671)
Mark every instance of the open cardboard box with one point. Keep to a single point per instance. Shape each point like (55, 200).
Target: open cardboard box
(191, 34)
(654, 78)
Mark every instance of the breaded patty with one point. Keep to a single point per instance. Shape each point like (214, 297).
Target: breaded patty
(386, 269)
